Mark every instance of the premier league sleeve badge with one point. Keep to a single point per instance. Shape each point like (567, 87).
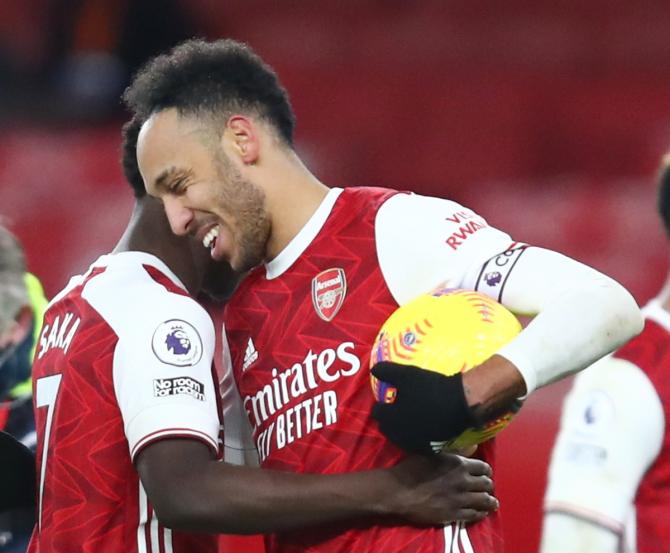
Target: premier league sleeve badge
(176, 342)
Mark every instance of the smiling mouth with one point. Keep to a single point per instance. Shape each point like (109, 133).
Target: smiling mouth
(210, 238)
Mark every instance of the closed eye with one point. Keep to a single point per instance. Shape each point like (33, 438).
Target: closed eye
(173, 181)
(178, 186)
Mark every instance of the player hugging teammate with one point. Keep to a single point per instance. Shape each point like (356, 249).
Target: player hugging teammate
(216, 146)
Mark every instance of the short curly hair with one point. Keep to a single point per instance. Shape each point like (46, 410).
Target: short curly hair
(131, 170)
(212, 78)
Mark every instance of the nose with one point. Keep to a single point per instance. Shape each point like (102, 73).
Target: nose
(179, 216)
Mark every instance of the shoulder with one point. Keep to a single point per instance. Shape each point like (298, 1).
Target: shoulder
(423, 242)
(615, 401)
(368, 194)
(135, 297)
(453, 225)
(403, 202)
(620, 379)
(360, 203)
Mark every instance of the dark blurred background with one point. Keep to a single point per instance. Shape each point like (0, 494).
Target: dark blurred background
(548, 118)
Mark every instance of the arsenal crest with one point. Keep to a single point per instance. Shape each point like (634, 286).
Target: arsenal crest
(328, 290)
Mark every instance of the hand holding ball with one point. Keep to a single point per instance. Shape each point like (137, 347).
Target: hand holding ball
(437, 335)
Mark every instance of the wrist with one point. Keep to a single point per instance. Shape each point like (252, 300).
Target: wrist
(492, 387)
(385, 487)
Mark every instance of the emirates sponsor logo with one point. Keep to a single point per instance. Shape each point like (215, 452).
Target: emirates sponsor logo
(297, 401)
(329, 288)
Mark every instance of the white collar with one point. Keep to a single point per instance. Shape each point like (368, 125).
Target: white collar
(294, 249)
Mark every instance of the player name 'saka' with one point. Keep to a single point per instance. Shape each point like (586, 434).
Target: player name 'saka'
(58, 334)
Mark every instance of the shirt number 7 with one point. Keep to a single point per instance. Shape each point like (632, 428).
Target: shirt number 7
(46, 392)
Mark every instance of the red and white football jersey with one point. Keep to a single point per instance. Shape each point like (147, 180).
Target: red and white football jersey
(300, 332)
(611, 460)
(124, 359)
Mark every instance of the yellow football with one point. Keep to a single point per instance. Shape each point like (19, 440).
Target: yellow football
(447, 331)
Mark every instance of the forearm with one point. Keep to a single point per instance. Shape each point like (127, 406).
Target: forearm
(229, 499)
(191, 491)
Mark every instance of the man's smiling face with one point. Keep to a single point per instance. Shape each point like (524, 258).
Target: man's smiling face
(183, 162)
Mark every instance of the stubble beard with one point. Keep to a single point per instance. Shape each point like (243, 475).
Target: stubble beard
(245, 203)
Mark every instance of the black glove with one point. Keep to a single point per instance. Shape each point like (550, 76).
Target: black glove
(429, 407)
(17, 474)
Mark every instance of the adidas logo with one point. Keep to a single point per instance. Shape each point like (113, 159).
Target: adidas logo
(250, 355)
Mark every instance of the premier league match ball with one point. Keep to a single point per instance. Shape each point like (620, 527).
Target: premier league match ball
(447, 331)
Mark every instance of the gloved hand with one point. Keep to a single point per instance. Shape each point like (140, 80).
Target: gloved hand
(428, 407)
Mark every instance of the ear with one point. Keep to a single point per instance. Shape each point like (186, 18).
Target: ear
(244, 135)
(18, 328)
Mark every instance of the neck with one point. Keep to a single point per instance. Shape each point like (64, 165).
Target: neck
(148, 231)
(292, 199)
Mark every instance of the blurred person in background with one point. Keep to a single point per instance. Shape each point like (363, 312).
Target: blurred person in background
(328, 266)
(609, 479)
(22, 305)
(128, 415)
(80, 53)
